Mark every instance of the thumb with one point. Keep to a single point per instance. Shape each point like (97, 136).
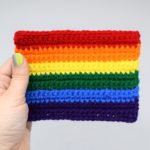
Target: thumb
(20, 76)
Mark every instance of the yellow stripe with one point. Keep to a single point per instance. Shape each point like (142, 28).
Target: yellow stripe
(76, 67)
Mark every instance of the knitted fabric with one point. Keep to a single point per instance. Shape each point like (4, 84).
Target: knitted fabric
(81, 75)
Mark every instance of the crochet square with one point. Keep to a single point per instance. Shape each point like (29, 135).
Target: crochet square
(81, 74)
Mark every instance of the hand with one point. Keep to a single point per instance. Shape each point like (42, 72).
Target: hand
(14, 129)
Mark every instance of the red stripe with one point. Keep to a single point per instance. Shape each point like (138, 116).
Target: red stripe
(24, 38)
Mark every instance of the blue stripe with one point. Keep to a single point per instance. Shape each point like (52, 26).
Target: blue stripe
(74, 95)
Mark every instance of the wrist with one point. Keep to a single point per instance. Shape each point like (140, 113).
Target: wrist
(25, 142)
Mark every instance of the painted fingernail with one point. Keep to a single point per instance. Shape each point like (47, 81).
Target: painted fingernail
(17, 59)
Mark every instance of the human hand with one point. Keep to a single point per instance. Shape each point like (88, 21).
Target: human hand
(14, 128)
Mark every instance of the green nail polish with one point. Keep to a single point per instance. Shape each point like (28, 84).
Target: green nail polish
(18, 59)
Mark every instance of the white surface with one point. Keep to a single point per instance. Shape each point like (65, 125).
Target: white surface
(84, 14)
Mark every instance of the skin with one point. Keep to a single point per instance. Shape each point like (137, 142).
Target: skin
(14, 128)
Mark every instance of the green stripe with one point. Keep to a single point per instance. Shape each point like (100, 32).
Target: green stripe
(84, 81)
(84, 76)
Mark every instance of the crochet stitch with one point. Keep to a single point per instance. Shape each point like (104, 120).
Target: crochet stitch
(81, 75)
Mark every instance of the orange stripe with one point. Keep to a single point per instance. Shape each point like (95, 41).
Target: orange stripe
(80, 54)
(82, 57)
(70, 49)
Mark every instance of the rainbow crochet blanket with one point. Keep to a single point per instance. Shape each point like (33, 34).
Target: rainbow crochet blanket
(81, 75)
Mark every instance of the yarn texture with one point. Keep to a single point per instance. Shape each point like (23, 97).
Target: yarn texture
(81, 74)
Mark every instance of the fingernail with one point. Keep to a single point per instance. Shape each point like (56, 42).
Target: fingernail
(17, 59)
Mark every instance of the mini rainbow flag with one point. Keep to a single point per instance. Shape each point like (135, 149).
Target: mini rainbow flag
(81, 75)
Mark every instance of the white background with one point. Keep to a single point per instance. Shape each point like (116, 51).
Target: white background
(84, 14)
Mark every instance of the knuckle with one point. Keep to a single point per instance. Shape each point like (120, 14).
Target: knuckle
(19, 76)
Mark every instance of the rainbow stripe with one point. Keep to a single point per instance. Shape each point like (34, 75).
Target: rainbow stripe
(81, 75)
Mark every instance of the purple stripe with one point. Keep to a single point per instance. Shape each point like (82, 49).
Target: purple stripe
(126, 112)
